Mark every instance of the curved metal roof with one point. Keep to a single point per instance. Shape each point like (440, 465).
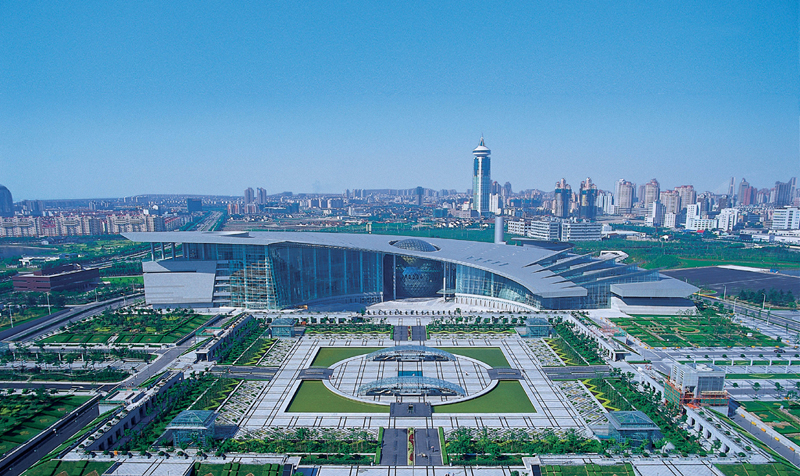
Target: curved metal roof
(411, 386)
(409, 352)
(517, 263)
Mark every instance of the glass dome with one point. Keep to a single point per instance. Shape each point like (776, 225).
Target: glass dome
(414, 244)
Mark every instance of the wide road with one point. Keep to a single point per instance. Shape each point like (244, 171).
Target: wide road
(394, 447)
(426, 447)
(51, 442)
(75, 314)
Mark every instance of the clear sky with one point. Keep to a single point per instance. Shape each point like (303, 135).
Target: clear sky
(119, 98)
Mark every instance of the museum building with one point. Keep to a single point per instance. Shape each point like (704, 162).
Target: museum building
(281, 270)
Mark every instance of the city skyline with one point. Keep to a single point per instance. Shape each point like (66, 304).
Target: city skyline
(115, 101)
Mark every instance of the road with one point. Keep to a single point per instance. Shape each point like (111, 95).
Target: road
(49, 443)
(394, 447)
(426, 447)
(73, 315)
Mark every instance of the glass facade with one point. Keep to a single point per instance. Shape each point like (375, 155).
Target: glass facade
(484, 283)
(283, 275)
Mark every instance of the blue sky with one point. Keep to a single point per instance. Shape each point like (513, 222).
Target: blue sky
(122, 98)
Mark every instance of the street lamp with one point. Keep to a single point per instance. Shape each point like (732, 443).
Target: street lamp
(48, 303)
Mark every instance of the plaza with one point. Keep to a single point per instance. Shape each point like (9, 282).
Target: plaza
(546, 406)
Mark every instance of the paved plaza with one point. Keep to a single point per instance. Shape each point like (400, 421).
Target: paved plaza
(268, 408)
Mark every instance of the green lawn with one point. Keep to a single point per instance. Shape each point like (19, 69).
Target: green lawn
(23, 416)
(507, 397)
(587, 470)
(313, 397)
(328, 356)
(19, 318)
(693, 331)
(491, 356)
(770, 412)
(769, 469)
(124, 280)
(69, 468)
(172, 328)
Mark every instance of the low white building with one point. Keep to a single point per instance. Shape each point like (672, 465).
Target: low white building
(787, 218)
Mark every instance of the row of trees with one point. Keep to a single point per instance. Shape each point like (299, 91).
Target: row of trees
(308, 440)
(773, 296)
(582, 345)
(491, 444)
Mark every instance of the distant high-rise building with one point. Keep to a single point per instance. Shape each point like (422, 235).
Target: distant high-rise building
(730, 186)
(746, 195)
(561, 201)
(419, 192)
(6, 203)
(688, 195)
(588, 208)
(261, 196)
(507, 192)
(784, 193)
(624, 195)
(249, 195)
(481, 178)
(651, 192)
(671, 200)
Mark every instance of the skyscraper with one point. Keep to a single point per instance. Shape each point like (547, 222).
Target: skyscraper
(249, 195)
(6, 203)
(588, 208)
(688, 195)
(671, 199)
(561, 201)
(261, 196)
(651, 192)
(624, 195)
(481, 178)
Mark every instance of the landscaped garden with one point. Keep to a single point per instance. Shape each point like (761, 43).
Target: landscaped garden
(244, 344)
(216, 393)
(495, 447)
(507, 397)
(253, 354)
(24, 416)
(325, 445)
(589, 470)
(235, 469)
(573, 348)
(768, 469)
(313, 329)
(22, 315)
(69, 468)
(131, 326)
(102, 375)
(707, 330)
(782, 416)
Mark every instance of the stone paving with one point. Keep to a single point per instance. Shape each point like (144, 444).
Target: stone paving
(234, 409)
(582, 399)
(544, 354)
(268, 407)
(277, 353)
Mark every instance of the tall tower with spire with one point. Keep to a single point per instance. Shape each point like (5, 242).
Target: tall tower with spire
(481, 178)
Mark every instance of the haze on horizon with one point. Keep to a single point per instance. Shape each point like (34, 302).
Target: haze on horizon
(107, 99)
